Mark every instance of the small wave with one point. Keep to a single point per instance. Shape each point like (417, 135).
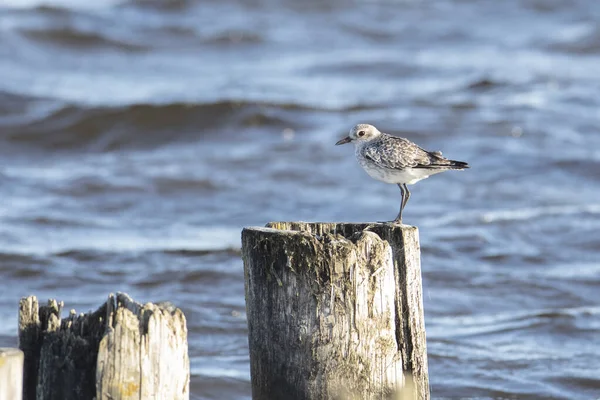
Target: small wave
(13, 103)
(506, 322)
(215, 372)
(484, 84)
(51, 10)
(71, 38)
(194, 239)
(8, 258)
(584, 40)
(145, 125)
(369, 32)
(583, 272)
(23, 266)
(159, 5)
(56, 4)
(532, 213)
(62, 222)
(173, 184)
(234, 37)
(358, 68)
(83, 255)
(572, 382)
(584, 166)
(232, 251)
(522, 214)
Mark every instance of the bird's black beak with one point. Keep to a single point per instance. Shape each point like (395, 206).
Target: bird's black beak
(344, 141)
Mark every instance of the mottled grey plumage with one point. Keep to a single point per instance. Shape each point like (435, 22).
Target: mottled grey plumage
(393, 159)
(394, 152)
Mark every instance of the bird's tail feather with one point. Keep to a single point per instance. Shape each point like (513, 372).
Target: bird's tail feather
(457, 164)
(437, 161)
(446, 164)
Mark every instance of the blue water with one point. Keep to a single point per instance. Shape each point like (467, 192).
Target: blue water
(138, 138)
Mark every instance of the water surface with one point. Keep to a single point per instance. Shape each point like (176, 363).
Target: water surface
(137, 138)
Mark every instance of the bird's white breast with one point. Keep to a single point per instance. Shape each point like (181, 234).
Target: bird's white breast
(387, 175)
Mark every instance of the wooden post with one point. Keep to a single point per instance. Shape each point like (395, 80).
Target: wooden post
(335, 311)
(11, 374)
(124, 350)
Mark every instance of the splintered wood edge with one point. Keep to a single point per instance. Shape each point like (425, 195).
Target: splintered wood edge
(314, 230)
(359, 225)
(270, 227)
(267, 229)
(252, 231)
(29, 309)
(342, 223)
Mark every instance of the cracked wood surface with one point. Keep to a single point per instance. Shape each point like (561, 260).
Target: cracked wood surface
(124, 350)
(335, 311)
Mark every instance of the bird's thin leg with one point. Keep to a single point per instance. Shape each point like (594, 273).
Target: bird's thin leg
(399, 217)
(406, 195)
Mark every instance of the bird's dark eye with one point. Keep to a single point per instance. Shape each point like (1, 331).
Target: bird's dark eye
(361, 133)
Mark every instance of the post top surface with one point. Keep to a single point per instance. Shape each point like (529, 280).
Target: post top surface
(320, 228)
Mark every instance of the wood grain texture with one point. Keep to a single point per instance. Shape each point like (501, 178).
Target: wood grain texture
(143, 354)
(334, 311)
(11, 374)
(123, 350)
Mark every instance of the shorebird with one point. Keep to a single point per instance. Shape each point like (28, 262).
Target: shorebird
(392, 159)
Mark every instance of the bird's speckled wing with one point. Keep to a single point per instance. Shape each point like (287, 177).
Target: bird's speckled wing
(398, 153)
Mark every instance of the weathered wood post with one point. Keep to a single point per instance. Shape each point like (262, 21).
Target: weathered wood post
(124, 350)
(335, 311)
(11, 374)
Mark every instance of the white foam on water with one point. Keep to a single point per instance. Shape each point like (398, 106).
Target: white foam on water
(531, 213)
(520, 214)
(575, 271)
(55, 241)
(219, 372)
